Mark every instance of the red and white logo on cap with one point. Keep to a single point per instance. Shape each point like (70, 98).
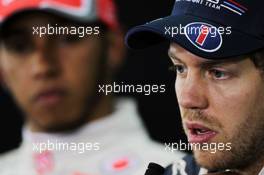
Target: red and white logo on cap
(88, 10)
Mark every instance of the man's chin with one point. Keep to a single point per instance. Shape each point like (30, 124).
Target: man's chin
(210, 160)
(55, 122)
(52, 127)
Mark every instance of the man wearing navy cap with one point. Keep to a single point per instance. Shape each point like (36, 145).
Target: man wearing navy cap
(217, 51)
(54, 56)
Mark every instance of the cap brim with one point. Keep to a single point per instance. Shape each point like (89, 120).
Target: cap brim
(234, 44)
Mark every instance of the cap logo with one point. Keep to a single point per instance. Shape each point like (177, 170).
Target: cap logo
(204, 36)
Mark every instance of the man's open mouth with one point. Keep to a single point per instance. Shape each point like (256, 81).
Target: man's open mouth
(197, 133)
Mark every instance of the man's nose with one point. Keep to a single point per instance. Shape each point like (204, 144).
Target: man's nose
(192, 92)
(44, 63)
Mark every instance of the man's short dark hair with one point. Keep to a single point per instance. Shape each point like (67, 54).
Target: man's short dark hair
(258, 59)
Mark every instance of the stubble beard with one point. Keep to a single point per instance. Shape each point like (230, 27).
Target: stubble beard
(247, 145)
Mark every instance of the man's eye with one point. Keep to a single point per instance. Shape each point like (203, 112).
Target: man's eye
(218, 74)
(19, 46)
(179, 69)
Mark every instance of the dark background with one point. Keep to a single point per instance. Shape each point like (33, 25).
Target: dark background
(159, 111)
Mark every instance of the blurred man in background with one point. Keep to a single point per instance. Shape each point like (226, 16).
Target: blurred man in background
(55, 55)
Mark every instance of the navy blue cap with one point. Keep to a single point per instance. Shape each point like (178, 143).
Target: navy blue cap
(212, 29)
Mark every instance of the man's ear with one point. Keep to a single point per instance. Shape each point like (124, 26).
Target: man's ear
(116, 49)
(3, 83)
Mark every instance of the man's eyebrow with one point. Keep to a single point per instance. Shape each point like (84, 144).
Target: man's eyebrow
(222, 62)
(170, 54)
